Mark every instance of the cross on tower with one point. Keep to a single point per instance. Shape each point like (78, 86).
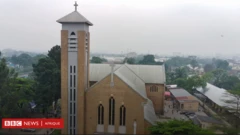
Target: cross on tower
(75, 5)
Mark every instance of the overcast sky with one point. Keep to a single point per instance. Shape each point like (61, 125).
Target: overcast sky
(203, 27)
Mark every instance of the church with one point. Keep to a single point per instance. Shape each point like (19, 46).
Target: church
(105, 98)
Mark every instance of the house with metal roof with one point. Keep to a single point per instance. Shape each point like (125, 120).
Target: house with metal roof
(205, 121)
(183, 100)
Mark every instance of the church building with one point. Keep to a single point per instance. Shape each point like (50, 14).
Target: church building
(105, 98)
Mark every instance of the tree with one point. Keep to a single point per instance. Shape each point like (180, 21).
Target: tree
(219, 76)
(55, 54)
(148, 60)
(47, 77)
(181, 72)
(97, 60)
(129, 60)
(194, 63)
(221, 64)
(208, 68)
(191, 83)
(178, 127)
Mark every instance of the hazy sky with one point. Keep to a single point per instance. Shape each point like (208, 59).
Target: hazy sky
(156, 26)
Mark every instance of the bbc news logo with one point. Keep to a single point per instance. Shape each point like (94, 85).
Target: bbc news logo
(12, 123)
(32, 123)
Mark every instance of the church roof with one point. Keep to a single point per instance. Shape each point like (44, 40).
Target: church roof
(132, 80)
(148, 73)
(74, 17)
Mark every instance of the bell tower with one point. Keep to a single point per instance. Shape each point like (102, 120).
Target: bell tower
(75, 48)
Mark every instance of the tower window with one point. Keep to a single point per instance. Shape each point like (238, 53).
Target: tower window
(154, 88)
(111, 111)
(70, 94)
(74, 81)
(73, 33)
(100, 114)
(70, 80)
(70, 69)
(122, 115)
(74, 69)
(74, 94)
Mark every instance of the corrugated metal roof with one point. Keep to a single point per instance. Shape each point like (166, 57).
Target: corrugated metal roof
(148, 73)
(132, 80)
(179, 92)
(98, 71)
(149, 113)
(208, 119)
(74, 17)
(217, 95)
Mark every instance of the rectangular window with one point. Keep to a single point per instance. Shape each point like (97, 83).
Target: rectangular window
(70, 80)
(73, 43)
(72, 39)
(74, 95)
(73, 47)
(74, 81)
(70, 69)
(74, 69)
(70, 121)
(74, 122)
(70, 108)
(70, 131)
(74, 108)
(70, 94)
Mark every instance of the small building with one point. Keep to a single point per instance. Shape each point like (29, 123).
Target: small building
(183, 100)
(205, 122)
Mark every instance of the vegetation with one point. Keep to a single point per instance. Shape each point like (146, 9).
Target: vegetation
(47, 78)
(15, 93)
(97, 60)
(178, 127)
(129, 60)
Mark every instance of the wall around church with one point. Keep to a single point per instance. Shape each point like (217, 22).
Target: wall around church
(122, 93)
(156, 97)
(146, 126)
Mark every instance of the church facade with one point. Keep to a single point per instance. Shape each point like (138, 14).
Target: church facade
(104, 98)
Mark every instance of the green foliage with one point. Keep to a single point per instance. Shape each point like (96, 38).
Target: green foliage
(178, 61)
(178, 127)
(129, 60)
(15, 93)
(221, 64)
(148, 60)
(47, 77)
(181, 73)
(55, 54)
(191, 82)
(194, 63)
(97, 60)
(209, 67)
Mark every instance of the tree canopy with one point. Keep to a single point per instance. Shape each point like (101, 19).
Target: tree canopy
(47, 76)
(97, 60)
(178, 127)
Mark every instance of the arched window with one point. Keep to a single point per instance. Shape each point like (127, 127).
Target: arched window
(154, 88)
(100, 114)
(111, 111)
(73, 34)
(122, 115)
